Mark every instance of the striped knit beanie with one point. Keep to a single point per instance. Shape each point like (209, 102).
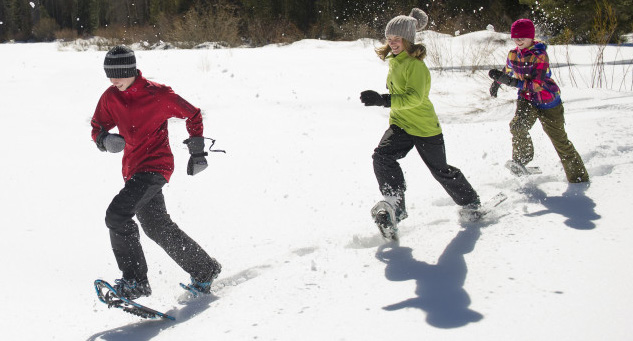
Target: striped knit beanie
(120, 62)
(405, 26)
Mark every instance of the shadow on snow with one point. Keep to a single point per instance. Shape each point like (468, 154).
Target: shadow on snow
(440, 287)
(148, 329)
(573, 204)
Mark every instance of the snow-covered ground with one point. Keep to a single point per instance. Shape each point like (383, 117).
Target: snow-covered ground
(286, 210)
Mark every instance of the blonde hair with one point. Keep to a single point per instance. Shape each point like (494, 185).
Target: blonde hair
(417, 51)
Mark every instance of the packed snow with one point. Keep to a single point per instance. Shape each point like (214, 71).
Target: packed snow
(286, 209)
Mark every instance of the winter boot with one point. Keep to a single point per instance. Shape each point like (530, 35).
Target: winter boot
(384, 216)
(517, 168)
(472, 211)
(197, 287)
(401, 212)
(131, 288)
(397, 202)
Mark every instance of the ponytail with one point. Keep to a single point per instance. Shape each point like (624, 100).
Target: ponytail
(417, 51)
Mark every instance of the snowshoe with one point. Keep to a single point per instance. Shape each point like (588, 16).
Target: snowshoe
(197, 288)
(384, 216)
(475, 211)
(109, 296)
(519, 169)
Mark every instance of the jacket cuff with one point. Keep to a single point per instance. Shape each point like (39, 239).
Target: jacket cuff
(387, 98)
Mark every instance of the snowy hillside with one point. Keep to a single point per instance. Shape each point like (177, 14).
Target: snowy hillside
(286, 210)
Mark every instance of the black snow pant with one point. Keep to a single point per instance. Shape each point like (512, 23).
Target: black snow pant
(142, 196)
(396, 143)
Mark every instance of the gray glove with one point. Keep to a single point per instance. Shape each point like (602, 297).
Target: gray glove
(113, 143)
(197, 161)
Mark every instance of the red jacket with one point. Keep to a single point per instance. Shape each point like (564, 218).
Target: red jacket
(141, 113)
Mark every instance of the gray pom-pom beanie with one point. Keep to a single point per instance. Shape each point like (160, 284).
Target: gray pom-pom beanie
(405, 26)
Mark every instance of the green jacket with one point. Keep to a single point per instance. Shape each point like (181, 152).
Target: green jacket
(409, 83)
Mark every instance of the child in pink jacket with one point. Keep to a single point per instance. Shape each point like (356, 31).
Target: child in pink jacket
(527, 69)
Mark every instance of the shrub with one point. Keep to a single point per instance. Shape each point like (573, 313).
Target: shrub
(45, 29)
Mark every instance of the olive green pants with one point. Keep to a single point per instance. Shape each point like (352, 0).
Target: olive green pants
(553, 122)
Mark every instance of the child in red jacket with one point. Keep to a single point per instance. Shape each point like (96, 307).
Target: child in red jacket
(527, 68)
(140, 109)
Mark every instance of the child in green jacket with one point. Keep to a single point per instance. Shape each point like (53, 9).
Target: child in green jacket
(412, 123)
(527, 69)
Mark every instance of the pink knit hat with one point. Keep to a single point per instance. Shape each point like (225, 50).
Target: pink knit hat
(522, 28)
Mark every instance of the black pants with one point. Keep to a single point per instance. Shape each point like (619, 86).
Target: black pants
(396, 143)
(142, 196)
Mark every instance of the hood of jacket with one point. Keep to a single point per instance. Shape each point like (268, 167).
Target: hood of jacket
(536, 49)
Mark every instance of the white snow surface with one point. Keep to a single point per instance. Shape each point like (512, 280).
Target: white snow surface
(286, 209)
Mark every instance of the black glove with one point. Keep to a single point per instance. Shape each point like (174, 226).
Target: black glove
(503, 78)
(371, 97)
(112, 143)
(494, 87)
(197, 161)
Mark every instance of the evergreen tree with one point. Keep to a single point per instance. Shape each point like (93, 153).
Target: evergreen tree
(4, 22)
(330, 19)
(579, 16)
(20, 21)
